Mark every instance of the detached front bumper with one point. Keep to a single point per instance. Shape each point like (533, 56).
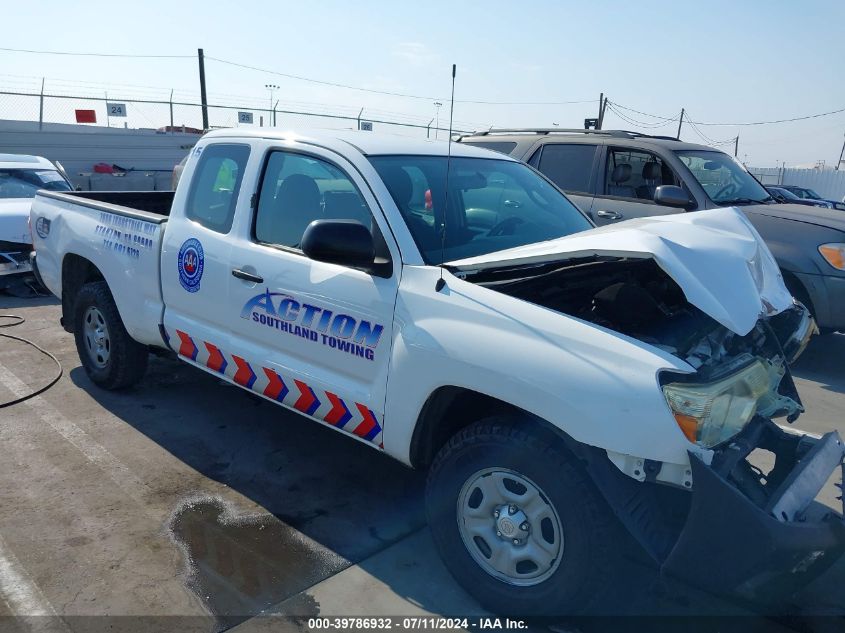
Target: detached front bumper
(14, 263)
(761, 536)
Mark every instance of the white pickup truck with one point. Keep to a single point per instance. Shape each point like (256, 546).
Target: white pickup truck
(558, 381)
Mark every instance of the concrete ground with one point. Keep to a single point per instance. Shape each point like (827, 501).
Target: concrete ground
(198, 505)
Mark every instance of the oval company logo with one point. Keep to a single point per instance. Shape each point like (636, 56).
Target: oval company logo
(190, 262)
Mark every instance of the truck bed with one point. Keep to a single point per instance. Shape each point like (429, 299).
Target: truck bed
(115, 236)
(138, 204)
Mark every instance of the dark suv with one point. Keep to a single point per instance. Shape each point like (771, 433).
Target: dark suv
(616, 175)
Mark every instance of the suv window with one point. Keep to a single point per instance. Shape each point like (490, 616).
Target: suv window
(635, 174)
(568, 166)
(215, 186)
(298, 189)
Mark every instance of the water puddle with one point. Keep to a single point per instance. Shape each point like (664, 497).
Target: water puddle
(239, 566)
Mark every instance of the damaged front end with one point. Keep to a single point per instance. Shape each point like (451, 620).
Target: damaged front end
(760, 535)
(742, 517)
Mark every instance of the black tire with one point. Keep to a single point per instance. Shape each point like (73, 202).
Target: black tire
(583, 573)
(127, 359)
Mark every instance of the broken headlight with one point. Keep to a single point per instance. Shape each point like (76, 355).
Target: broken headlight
(711, 413)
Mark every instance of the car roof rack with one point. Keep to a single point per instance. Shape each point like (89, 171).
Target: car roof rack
(558, 130)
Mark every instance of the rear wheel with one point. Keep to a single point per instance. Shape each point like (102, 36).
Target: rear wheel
(111, 358)
(517, 522)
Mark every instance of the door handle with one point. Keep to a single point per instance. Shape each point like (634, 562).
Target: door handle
(609, 215)
(240, 274)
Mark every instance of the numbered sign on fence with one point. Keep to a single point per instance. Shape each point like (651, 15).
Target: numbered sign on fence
(245, 117)
(116, 109)
(367, 126)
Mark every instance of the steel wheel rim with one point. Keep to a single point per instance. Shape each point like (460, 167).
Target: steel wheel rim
(509, 527)
(95, 332)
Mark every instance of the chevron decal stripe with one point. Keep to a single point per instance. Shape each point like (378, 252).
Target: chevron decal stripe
(307, 401)
(276, 387)
(368, 428)
(244, 376)
(187, 347)
(216, 360)
(340, 414)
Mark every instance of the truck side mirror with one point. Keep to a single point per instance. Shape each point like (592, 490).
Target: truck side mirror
(344, 242)
(672, 196)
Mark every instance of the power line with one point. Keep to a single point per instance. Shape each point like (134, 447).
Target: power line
(26, 50)
(387, 92)
(797, 118)
(744, 124)
(654, 116)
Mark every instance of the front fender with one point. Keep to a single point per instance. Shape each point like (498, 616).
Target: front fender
(597, 386)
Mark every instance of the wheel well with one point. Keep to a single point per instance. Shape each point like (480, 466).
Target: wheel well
(76, 272)
(450, 409)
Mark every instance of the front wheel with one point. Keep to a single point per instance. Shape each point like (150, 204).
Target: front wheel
(111, 358)
(517, 522)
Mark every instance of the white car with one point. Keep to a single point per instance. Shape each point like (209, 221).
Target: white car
(459, 314)
(21, 177)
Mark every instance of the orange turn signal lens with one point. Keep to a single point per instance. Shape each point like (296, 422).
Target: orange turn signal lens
(834, 254)
(689, 426)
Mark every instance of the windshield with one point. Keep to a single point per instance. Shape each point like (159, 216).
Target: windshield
(785, 193)
(23, 183)
(492, 205)
(724, 180)
(809, 194)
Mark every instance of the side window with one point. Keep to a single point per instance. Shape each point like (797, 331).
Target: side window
(298, 189)
(215, 186)
(635, 174)
(568, 166)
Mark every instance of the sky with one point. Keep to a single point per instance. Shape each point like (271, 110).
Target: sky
(519, 64)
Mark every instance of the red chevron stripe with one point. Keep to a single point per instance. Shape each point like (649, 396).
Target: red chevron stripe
(244, 376)
(276, 387)
(215, 358)
(339, 412)
(306, 399)
(186, 347)
(367, 424)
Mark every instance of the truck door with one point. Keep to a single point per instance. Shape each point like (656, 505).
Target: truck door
(312, 336)
(195, 269)
(626, 190)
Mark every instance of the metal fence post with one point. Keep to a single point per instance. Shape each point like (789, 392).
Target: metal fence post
(428, 129)
(359, 118)
(172, 131)
(41, 106)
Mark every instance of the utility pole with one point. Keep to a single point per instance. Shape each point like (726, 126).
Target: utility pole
(41, 106)
(437, 105)
(602, 108)
(736, 146)
(601, 105)
(203, 96)
(680, 123)
(272, 88)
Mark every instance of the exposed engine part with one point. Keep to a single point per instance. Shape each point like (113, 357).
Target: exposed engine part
(638, 299)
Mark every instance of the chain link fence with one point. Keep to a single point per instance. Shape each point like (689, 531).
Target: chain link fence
(174, 115)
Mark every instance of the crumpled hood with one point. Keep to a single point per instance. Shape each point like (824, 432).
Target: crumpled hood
(14, 220)
(717, 258)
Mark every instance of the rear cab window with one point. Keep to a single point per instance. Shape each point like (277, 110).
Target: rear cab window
(215, 186)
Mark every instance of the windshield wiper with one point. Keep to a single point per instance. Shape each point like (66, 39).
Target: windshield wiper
(733, 201)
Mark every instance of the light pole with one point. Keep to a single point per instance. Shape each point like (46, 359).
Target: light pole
(437, 105)
(272, 88)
